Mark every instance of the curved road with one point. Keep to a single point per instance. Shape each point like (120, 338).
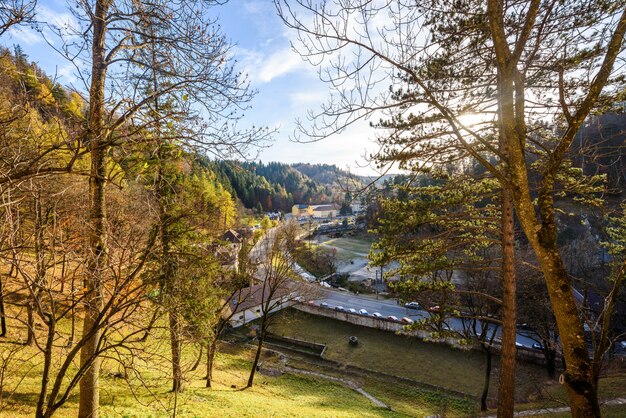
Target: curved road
(387, 307)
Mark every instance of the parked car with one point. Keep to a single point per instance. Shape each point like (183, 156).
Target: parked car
(324, 305)
(537, 346)
(352, 310)
(363, 312)
(435, 308)
(412, 305)
(377, 315)
(406, 320)
(311, 302)
(392, 318)
(340, 308)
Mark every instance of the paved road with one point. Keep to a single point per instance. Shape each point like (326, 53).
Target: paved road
(388, 307)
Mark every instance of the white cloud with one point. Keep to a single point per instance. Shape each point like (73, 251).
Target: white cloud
(62, 20)
(66, 73)
(309, 97)
(263, 68)
(25, 36)
(255, 7)
(32, 35)
(281, 62)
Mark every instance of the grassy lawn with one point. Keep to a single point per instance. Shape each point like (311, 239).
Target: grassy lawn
(431, 363)
(145, 392)
(417, 402)
(434, 364)
(349, 248)
(282, 396)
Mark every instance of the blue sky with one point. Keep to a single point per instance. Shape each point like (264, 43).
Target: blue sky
(287, 86)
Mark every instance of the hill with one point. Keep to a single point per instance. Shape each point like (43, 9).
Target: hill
(277, 186)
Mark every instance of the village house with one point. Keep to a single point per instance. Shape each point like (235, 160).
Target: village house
(227, 252)
(248, 302)
(328, 210)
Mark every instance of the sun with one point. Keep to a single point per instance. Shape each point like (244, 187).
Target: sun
(469, 120)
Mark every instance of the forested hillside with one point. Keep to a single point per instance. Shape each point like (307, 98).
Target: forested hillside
(277, 187)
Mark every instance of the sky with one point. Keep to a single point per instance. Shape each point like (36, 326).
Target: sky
(287, 86)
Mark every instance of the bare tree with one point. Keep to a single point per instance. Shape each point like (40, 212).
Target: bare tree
(15, 12)
(114, 42)
(279, 284)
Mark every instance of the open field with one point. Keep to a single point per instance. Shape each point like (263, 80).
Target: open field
(431, 363)
(145, 392)
(142, 389)
(436, 365)
(348, 248)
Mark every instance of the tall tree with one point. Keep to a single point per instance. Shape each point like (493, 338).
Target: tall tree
(520, 64)
(112, 38)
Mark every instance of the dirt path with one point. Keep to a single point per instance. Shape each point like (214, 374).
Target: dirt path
(344, 382)
(549, 411)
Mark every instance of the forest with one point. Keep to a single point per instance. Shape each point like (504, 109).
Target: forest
(278, 186)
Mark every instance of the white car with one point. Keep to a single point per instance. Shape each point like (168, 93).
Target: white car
(377, 315)
(412, 305)
(352, 310)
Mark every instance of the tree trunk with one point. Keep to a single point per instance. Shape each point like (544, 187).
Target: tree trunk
(30, 322)
(199, 359)
(506, 389)
(89, 384)
(70, 341)
(210, 358)
(3, 322)
(94, 140)
(256, 359)
(578, 377)
(550, 357)
(483, 396)
(541, 231)
(176, 346)
(45, 376)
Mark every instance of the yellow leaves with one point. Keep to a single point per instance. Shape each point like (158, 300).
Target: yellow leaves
(76, 105)
(8, 67)
(45, 96)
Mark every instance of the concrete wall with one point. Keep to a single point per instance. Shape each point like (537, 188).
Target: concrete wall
(312, 345)
(356, 319)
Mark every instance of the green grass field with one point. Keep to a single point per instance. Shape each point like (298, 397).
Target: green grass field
(145, 391)
(349, 248)
(286, 395)
(431, 363)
